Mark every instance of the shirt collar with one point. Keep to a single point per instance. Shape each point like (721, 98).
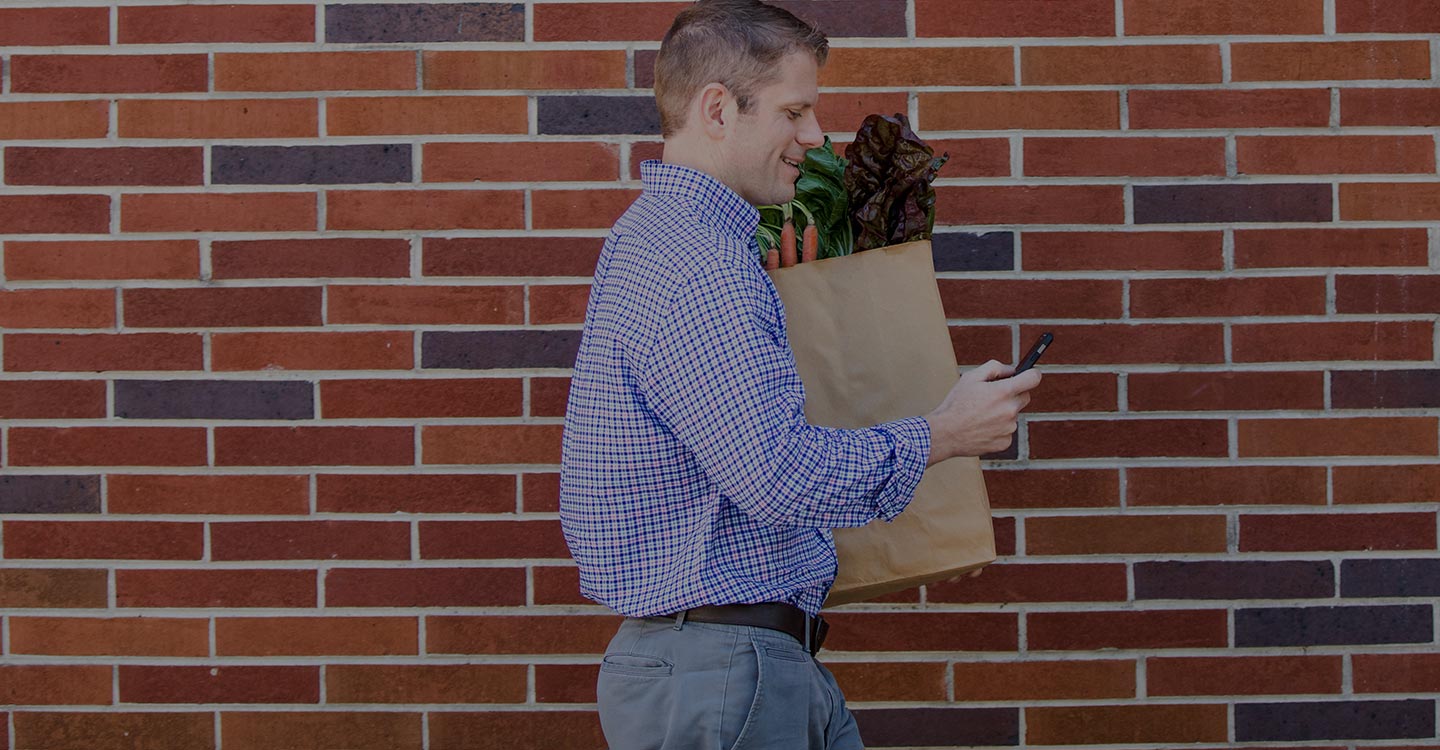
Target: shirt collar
(714, 204)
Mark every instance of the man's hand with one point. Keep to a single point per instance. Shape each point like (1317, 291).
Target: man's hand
(981, 413)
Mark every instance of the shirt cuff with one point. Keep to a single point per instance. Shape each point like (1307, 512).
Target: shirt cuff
(911, 441)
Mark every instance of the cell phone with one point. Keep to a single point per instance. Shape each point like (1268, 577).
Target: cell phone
(1033, 356)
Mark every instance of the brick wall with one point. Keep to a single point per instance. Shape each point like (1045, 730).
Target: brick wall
(291, 289)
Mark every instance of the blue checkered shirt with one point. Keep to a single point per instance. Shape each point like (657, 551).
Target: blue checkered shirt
(689, 474)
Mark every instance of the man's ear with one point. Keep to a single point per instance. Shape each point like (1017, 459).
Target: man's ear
(716, 110)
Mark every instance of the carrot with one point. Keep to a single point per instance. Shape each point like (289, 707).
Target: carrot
(772, 259)
(811, 248)
(787, 244)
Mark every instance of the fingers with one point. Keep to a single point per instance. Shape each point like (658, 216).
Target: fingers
(1025, 381)
(992, 370)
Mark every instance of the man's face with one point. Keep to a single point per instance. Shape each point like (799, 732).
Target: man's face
(764, 143)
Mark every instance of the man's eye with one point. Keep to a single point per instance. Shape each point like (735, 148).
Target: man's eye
(793, 114)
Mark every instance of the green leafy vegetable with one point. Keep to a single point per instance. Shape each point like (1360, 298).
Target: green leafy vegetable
(820, 199)
(888, 180)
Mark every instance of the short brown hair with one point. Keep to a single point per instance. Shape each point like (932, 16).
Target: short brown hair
(737, 43)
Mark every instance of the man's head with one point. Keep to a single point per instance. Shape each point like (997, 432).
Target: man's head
(735, 82)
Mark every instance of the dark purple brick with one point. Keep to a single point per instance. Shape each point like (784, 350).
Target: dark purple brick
(1415, 577)
(948, 727)
(310, 165)
(1385, 389)
(168, 165)
(49, 494)
(962, 251)
(1178, 204)
(1329, 626)
(598, 115)
(1289, 579)
(425, 22)
(840, 18)
(494, 350)
(1334, 720)
(213, 399)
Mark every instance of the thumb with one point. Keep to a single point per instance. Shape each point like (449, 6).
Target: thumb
(992, 370)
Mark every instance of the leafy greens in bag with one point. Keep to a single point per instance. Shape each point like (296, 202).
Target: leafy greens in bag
(888, 179)
(819, 199)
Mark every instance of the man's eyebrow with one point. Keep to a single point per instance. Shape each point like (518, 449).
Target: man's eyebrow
(799, 104)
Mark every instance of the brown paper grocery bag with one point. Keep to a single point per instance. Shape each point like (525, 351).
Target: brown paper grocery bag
(871, 345)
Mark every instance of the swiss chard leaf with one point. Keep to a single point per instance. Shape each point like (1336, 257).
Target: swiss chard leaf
(889, 180)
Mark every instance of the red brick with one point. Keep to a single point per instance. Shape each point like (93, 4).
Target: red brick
(521, 162)
(1244, 675)
(104, 540)
(107, 446)
(498, 540)
(558, 303)
(1083, 157)
(1225, 485)
(1220, 108)
(1088, 631)
(1405, 201)
(1129, 438)
(579, 209)
(218, 118)
(317, 636)
(332, 350)
(976, 344)
(1337, 532)
(1014, 18)
(973, 157)
(459, 397)
(1357, 436)
(1333, 341)
(208, 494)
(426, 305)
(1397, 673)
(218, 23)
(418, 493)
(603, 22)
(230, 587)
(104, 259)
(1387, 484)
(554, 584)
(44, 399)
(1116, 343)
(540, 493)
(1006, 298)
(310, 540)
(1043, 582)
(1226, 391)
(108, 74)
(39, 588)
(51, 120)
(1044, 680)
(922, 631)
(425, 209)
(1076, 392)
(1126, 724)
(1115, 251)
(314, 446)
(102, 731)
(567, 683)
(1227, 297)
(1005, 535)
(219, 684)
(1030, 204)
(1059, 488)
(1223, 17)
(45, 27)
(425, 587)
(54, 214)
(1128, 64)
(1324, 248)
(425, 684)
(1123, 535)
(1330, 61)
(57, 308)
(846, 111)
(1390, 106)
(491, 444)
(547, 69)
(1392, 154)
(222, 307)
(519, 729)
(218, 212)
(103, 352)
(181, 165)
(919, 66)
(1023, 110)
(893, 681)
(339, 257)
(350, 730)
(568, 634)
(1398, 16)
(111, 636)
(417, 115)
(511, 256)
(315, 71)
(54, 685)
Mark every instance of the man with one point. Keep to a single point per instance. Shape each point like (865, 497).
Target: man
(695, 497)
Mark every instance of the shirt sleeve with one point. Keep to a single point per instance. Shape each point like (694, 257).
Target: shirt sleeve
(725, 385)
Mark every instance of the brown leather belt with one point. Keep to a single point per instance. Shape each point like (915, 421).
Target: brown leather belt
(786, 618)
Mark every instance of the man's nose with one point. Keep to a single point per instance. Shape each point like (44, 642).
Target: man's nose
(810, 135)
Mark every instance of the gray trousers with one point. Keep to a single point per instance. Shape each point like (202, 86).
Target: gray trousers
(718, 687)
